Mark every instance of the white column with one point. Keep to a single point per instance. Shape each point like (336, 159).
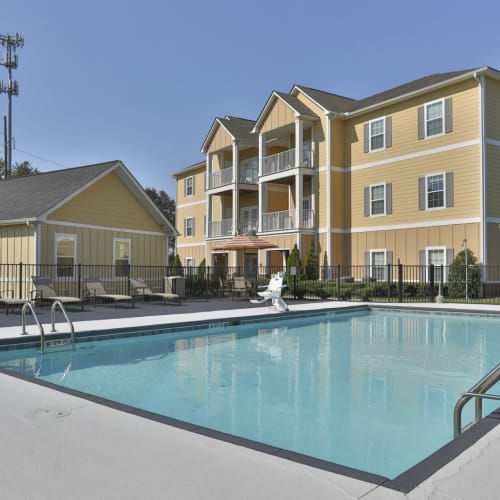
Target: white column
(299, 143)
(327, 191)
(262, 205)
(236, 190)
(209, 169)
(299, 200)
(209, 215)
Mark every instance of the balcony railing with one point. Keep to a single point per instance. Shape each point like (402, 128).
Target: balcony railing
(220, 178)
(248, 226)
(308, 218)
(276, 221)
(222, 227)
(249, 175)
(284, 161)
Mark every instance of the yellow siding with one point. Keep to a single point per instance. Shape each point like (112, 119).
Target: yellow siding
(404, 178)
(338, 144)
(220, 140)
(196, 253)
(492, 109)
(406, 243)
(95, 246)
(108, 202)
(279, 115)
(493, 181)
(405, 124)
(277, 198)
(17, 244)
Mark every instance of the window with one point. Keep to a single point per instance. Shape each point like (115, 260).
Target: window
(440, 258)
(435, 118)
(65, 254)
(436, 191)
(188, 226)
(378, 199)
(377, 263)
(378, 134)
(121, 256)
(189, 186)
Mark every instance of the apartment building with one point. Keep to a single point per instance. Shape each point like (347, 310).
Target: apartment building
(404, 175)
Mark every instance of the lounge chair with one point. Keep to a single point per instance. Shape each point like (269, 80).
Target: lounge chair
(273, 293)
(11, 301)
(45, 292)
(141, 289)
(96, 290)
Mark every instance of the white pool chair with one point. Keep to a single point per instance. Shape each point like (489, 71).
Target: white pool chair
(273, 293)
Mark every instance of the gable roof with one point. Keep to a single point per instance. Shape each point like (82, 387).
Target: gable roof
(33, 197)
(237, 128)
(300, 109)
(329, 102)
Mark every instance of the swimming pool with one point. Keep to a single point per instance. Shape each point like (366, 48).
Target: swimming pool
(369, 390)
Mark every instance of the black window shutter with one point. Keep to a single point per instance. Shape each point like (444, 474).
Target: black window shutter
(388, 198)
(367, 202)
(448, 116)
(388, 131)
(366, 138)
(421, 193)
(450, 194)
(421, 124)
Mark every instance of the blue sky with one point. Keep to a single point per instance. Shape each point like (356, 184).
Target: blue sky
(143, 81)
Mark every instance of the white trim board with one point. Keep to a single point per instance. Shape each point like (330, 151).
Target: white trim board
(104, 228)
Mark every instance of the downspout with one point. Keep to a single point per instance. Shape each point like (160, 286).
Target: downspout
(482, 177)
(329, 119)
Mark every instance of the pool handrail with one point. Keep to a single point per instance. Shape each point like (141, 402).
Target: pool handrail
(58, 303)
(29, 305)
(477, 391)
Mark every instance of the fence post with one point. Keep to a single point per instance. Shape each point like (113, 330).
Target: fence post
(20, 289)
(389, 281)
(338, 281)
(79, 279)
(400, 281)
(431, 282)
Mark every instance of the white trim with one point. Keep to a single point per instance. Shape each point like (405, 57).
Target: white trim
(192, 203)
(426, 136)
(129, 257)
(410, 156)
(384, 213)
(329, 188)
(67, 236)
(492, 142)
(372, 265)
(370, 149)
(443, 174)
(104, 228)
(414, 225)
(483, 178)
(190, 245)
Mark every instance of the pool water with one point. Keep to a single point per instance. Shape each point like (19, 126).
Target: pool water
(370, 390)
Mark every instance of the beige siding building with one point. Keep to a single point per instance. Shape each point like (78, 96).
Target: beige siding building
(96, 214)
(404, 175)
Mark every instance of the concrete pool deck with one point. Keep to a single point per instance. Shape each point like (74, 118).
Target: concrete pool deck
(58, 446)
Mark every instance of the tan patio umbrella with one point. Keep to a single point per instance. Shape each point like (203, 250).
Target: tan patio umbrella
(244, 242)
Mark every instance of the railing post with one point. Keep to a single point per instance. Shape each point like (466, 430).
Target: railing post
(400, 281)
(20, 283)
(431, 282)
(79, 279)
(338, 281)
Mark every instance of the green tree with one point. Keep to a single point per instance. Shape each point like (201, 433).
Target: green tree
(456, 276)
(19, 169)
(163, 201)
(202, 270)
(294, 261)
(177, 266)
(312, 263)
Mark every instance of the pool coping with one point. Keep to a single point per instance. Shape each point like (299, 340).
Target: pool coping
(404, 483)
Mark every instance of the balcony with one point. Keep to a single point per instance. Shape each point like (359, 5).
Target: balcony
(278, 221)
(249, 175)
(283, 161)
(220, 178)
(247, 226)
(222, 227)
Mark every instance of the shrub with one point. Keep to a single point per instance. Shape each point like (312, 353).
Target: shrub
(312, 263)
(456, 276)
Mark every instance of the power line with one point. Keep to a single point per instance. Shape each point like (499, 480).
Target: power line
(40, 157)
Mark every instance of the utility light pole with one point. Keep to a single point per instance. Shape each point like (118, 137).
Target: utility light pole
(11, 43)
(464, 245)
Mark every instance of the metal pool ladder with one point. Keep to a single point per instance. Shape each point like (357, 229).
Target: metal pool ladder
(55, 304)
(477, 391)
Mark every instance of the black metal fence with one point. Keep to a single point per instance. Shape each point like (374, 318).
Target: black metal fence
(388, 283)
